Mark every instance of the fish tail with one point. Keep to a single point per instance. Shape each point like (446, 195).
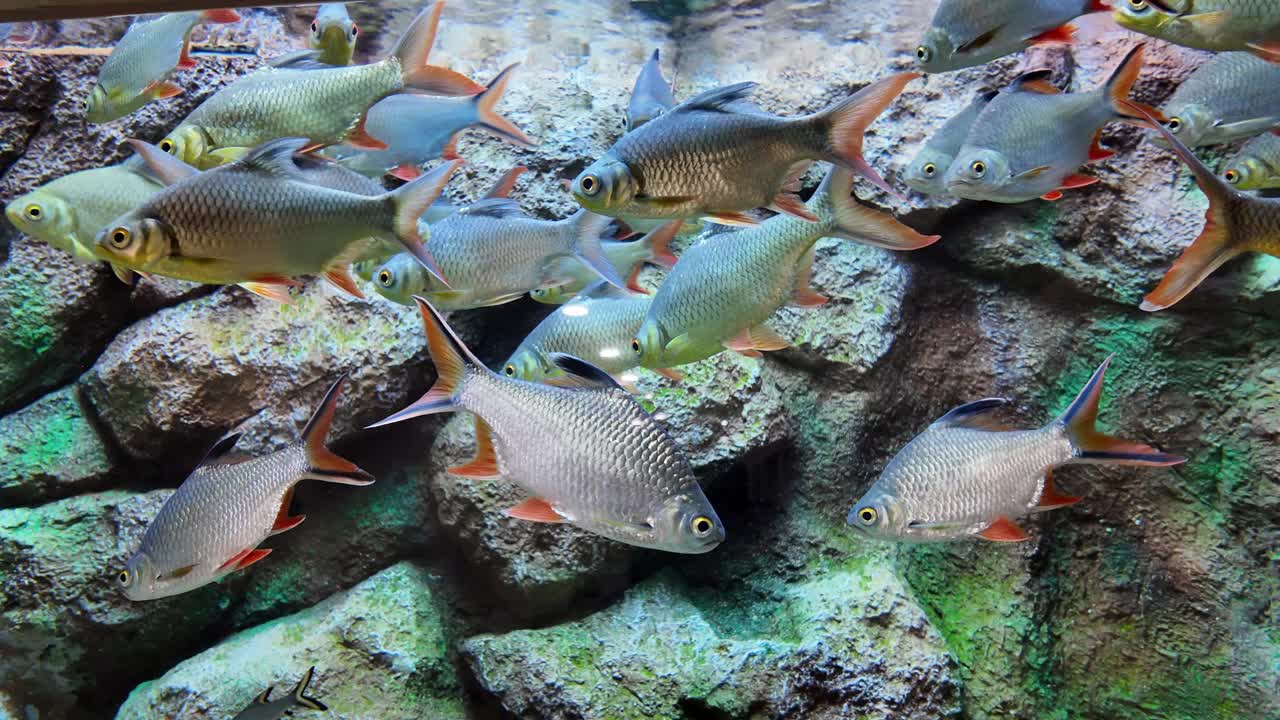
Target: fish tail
(412, 51)
(845, 122)
(299, 692)
(322, 463)
(489, 118)
(409, 202)
(587, 229)
(657, 244)
(220, 15)
(1121, 84)
(1213, 247)
(453, 361)
(1091, 446)
(506, 183)
(852, 220)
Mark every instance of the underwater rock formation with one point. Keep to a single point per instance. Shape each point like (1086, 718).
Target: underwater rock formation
(1155, 596)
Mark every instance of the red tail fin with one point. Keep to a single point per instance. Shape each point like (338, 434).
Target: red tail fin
(324, 464)
(220, 15)
(487, 100)
(848, 120)
(1121, 84)
(1094, 447)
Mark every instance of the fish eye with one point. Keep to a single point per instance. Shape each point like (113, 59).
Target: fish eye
(509, 370)
(930, 169)
(635, 345)
(315, 28)
(867, 516)
(33, 212)
(1232, 177)
(923, 54)
(1175, 124)
(590, 184)
(702, 526)
(167, 145)
(384, 278)
(123, 577)
(979, 168)
(1138, 5)
(355, 30)
(120, 238)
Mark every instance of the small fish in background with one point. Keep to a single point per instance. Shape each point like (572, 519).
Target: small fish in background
(727, 285)
(966, 33)
(418, 129)
(1232, 96)
(1237, 222)
(1031, 139)
(597, 325)
(7, 35)
(68, 212)
(138, 68)
(212, 525)
(716, 156)
(259, 222)
(627, 257)
(326, 105)
(1248, 25)
(966, 476)
(583, 448)
(651, 96)
(1257, 165)
(333, 34)
(493, 253)
(926, 172)
(264, 708)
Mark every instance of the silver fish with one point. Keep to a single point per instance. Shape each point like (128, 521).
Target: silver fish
(1030, 141)
(962, 477)
(264, 708)
(585, 450)
(419, 128)
(212, 525)
(628, 257)
(1232, 96)
(333, 34)
(926, 171)
(1257, 165)
(651, 96)
(965, 33)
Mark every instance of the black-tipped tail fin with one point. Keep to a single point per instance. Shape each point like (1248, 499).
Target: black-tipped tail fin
(300, 690)
(1092, 446)
(323, 463)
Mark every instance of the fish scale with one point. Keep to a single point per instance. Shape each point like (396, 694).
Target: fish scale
(1233, 95)
(1233, 24)
(596, 329)
(134, 62)
(1257, 165)
(966, 33)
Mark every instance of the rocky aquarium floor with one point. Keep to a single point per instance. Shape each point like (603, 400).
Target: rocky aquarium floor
(1155, 597)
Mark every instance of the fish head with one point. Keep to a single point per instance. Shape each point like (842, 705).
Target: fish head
(526, 364)
(98, 107)
(558, 295)
(649, 344)
(934, 53)
(686, 523)
(399, 279)
(1143, 16)
(1246, 173)
(41, 214)
(926, 172)
(135, 241)
(142, 579)
(334, 32)
(188, 143)
(605, 184)
(1188, 123)
(878, 515)
(978, 173)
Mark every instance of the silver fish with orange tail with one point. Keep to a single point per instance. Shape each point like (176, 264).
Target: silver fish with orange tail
(965, 33)
(716, 156)
(1236, 223)
(325, 105)
(212, 525)
(962, 477)
(1030, 141)
(584, 449)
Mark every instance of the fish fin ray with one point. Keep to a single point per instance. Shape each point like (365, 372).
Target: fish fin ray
(323, 463)
(846, 121)
(803, 295)
(1092, 446)
(580, 374)
(506, 183)
(791, 204)
(160, 165)
(411, 200)
(536, 510)
(1061, 34)
(861, 223)
(340, 276)
(1051, 497)
(485, 462)
(300, 690)
(490, 119)
(1121, 84)
(980, 41)
(975, 415)
(758, 338)
(588, 227)
(1004, 530)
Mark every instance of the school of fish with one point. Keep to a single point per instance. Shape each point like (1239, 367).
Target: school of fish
(316, 165)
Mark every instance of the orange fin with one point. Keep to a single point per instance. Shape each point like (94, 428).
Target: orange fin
(272, 287)
(1052, 195)
(660, 244)
(220, 15)
(244, 559)
(1051, 498)
(485, 463)
(450, 150)
(1121, 84)
(435, 80)
(1269, 51)
(803, 295)
(733, 218)
(340, 276)
(791, 204)
(405, 172)
(1063, 34)
(633, 280)
(1096, 151)
(323, 464)
(536, 510)
(1004, 530)
(184, 60)
(847, 122)
(489, 117)
(360, 138)
(1097, 6)
(284, 521)
(506, 183)
(162, 89)
(760, 337)
(670, 374)
(1073, 182)
(1091, 446)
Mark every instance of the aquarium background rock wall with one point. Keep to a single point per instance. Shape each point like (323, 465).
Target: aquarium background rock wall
(1155, 597)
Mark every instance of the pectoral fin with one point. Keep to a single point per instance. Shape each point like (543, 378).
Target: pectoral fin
(981, 41)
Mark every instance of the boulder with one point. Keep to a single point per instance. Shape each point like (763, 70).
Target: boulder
(50, 449)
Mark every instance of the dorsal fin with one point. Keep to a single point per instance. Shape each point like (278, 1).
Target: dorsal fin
(299, 60)
(493, 207)
(985, 96)
(604, 289)
(971, 415)
(218, 453)
(160, 165)
(717, 99)
(1036, 81)
(581, 374)
(274, 156)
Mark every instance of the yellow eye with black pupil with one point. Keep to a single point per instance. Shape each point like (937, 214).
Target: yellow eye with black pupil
(1138, 4)
(979, 168)
(167, 146)
(590, 185)
(930, 169)
(702, 525)
(1232, 177)
(123, 577)
(923, 53)
(120, 237)
(867, 516)
(635, 346)
(510, 370)
(34, 212)
(384, 277)
(1175, 124)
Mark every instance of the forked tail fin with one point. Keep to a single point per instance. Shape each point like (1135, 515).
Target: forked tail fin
(1121, 84)
(412, 50)
(862, 223)
(1092, 446)
(409, 202)
(847, 121)
(323, 463)
(299, 692)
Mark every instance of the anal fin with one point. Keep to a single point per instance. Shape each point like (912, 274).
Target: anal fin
(244, 559)
(485, 462)
(340, 276)
(1004, 530)
(536, 510)
(284, 521)
(1051, 497)
(1062, 34)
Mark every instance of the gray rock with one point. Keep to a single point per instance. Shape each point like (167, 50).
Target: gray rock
(380, 650)
(49, 450)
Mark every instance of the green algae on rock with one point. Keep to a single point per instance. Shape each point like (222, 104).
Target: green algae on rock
(50, 449)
